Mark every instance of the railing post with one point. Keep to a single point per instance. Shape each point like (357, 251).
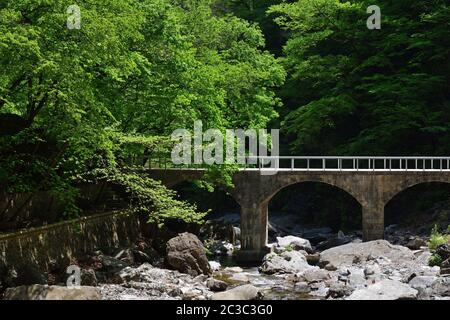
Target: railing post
(292, 164)
(307, 164)
(324, 165)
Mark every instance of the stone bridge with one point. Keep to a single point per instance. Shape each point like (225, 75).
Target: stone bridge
(372, 185)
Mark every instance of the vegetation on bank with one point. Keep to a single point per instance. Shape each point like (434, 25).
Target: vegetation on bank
(436, 239)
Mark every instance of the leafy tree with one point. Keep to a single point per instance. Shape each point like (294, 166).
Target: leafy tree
(351, 90)
(79, 105)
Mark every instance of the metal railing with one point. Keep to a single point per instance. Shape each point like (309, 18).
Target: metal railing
(324, 163)
(320, 163)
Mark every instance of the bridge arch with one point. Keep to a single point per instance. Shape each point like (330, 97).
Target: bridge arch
(404, 184)
(313, 203)
(414, 204)
(276, 188)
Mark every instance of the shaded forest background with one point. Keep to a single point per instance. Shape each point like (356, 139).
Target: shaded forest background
(89, 105)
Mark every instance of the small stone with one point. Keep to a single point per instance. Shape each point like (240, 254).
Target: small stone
(302, 287)
(313, 259)
(215, 266)
(216, 285)
(315, 275)
(339, 290)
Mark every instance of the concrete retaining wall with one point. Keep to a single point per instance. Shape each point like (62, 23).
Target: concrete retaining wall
(62, 242)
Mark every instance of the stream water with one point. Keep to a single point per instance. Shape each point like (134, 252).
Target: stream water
(273, 287)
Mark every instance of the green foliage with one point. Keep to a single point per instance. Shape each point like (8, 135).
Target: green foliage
(435, 260)
(437, 238)
(107, 97)
(351, 90)
(152, 198)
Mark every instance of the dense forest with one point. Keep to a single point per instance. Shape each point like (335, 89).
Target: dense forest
(88, 104)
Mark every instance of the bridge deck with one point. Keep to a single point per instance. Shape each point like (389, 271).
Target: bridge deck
(329, 164)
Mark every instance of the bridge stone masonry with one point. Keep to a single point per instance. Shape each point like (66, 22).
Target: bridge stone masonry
(372, 181)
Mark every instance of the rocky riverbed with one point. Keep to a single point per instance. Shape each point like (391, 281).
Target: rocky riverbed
(318, 265)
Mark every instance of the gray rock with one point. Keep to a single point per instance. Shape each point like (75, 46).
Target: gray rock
(385, 290)
(287, 262)
(295, 243)
(359, 253)
(315, 275)
(215, 266)
(339, 290)
(186, 254)
(356, 278)
(423, 256)
(301, 287)
(88, 278)
(423, 282)
(441, 287)
(445, 267)
(416, 243)
(216, 285)
(372, 270)
(443, 251)
(110, 264)
(319, 290)
(245, 292)
(44, 292)
(128, 274)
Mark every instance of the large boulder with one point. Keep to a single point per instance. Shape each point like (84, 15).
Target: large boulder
(186, 254)
(246, 292)
(286, 262)
(294, 243)
(385, 290)
(44, 292)
(360, 253)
